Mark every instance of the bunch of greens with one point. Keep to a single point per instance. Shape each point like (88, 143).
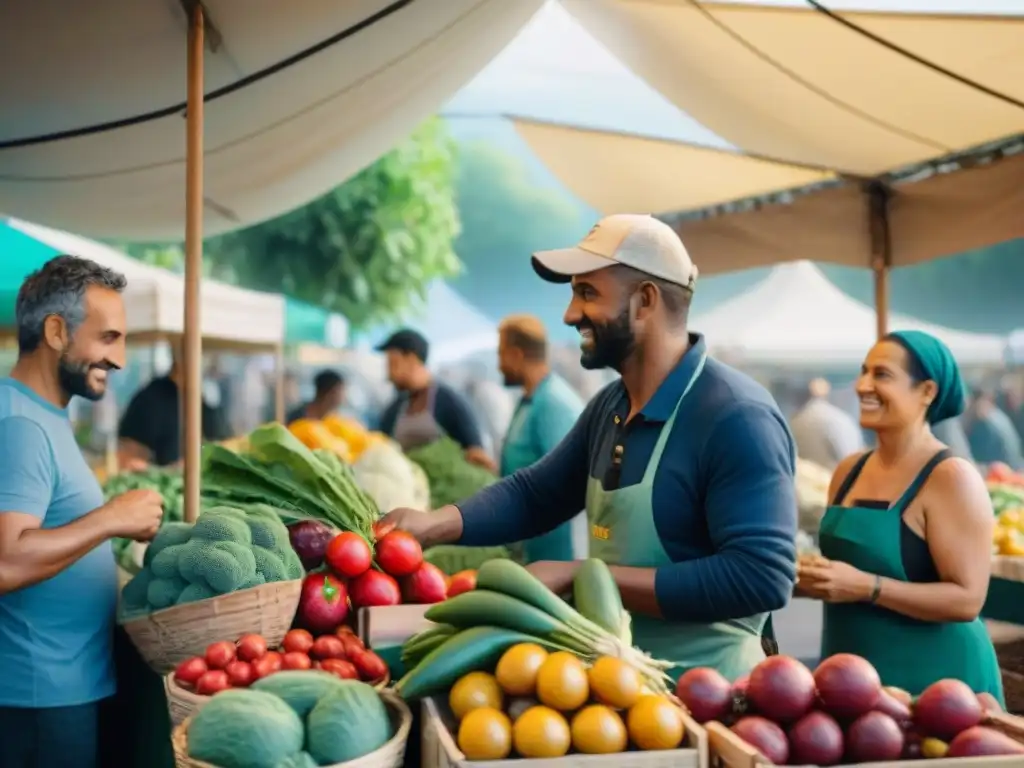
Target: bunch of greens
(281, 472)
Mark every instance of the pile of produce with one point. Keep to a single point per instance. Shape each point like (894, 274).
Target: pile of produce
(226, 550)
(841, 713)
(350, 579)
(508, 607)
(165, 481)
(539, 704)
(292, 719)
(390, 479)
(276, 469)
(452, 479)
(238, 665)
(1006, 489)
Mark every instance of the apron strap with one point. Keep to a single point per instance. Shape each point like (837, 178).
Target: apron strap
(922, 477)
(769, 643)
(850, 479)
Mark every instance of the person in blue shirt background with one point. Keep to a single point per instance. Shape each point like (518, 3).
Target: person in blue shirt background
(684, 465)
(543, 417)
(58, 579)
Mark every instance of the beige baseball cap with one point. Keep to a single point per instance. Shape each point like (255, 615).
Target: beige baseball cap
(633, 240)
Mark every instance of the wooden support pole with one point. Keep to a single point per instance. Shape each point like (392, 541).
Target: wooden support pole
(881, 251)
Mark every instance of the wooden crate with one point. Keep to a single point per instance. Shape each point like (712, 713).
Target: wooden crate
(729, 751)
(391, 625)
(439, 749)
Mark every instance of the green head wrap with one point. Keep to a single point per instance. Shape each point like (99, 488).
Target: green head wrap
(937, 364)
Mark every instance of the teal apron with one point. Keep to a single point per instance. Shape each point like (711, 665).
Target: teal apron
(908, 653)
(519, 451)
(622, 532)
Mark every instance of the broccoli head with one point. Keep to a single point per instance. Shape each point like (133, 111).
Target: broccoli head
(134, 595)
(267, 529)
(224, 524)
(163, 593)
(223, 566)
(168, 535)
(195, 592)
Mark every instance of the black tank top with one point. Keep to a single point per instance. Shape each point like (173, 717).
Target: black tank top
(917, 559)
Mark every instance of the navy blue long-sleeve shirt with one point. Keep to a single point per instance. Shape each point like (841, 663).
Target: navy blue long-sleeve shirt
(724, 493)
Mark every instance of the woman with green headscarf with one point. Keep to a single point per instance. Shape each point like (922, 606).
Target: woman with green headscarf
(906, 542)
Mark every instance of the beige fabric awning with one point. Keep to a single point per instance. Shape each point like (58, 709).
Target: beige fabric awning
(798, 85)
(270, 145)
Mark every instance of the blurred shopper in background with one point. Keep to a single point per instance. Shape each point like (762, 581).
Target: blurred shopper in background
(328, 397)
(991, 432)
(825, 434)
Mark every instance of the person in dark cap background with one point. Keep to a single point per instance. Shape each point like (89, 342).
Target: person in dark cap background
(426, 410)
(328, 397)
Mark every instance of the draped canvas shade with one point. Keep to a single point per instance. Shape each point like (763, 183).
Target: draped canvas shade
(374, 70)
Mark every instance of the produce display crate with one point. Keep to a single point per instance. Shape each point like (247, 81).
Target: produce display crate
(391, 755)
(439, 749)
(168, 637)
(729, 751)
(384, 629)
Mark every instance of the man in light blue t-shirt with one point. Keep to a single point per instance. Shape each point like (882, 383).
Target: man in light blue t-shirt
(547, 411)
(58, 580)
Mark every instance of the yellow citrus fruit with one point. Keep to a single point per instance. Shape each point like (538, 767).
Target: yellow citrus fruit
(485, 734)
(598, 730)
(541, 732)
(475, 690)
(562, 682)
(655, 723)
(614, 682)
(517, 669)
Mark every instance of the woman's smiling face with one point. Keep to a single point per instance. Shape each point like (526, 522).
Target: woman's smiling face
(890, 395)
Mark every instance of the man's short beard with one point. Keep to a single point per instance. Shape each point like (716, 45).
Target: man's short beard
(613, 343)
(73, 377)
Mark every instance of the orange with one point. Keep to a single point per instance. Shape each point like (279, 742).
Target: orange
(614, 682)
(541, 732)
(562, 682)
(518, 667)
(485, 734)
(655, 723)
(598, 730)
(475, 690)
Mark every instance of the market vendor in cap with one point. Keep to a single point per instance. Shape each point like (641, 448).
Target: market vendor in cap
(685, 466)
(426, 410)
(906, 543)
(544, 415)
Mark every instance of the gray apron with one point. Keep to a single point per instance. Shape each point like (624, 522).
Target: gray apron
(414, 430)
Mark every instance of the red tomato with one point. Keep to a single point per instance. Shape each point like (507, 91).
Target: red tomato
(240, 674)
(297, 640)
(295, 660)
(374, 588)
(214, 681)
(189, 671)
(219, 655)
(425, 585)
(340, 668)
(463, 581)
(371, 667)
(348, 554)
(328, 647)
(352, 644)
(323, 604)
(399, 554)
(251, 647)
(267, 665)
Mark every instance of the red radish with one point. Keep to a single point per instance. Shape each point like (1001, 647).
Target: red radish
(382, 529)
(425, 585)
(374, 588)
(251, 647)
(190, 670)
(399, 554)
(219, 655)
(463, 581)
(370, 666)
(214, 681)
(348, 554)
(340, 668)
(352, 644)
(297, 640)
(328, 647)
(323, 604)
(295, 660)
(267, 665)
(240, 674)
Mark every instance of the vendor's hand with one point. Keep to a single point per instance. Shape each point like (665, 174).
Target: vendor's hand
(555, 575)
(833, 581)
(480, 458)
(134, 515)
(442, 526)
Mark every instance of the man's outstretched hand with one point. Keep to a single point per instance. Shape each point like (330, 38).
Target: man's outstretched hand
(442, 526)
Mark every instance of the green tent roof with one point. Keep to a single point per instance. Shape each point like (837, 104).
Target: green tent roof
(20, 255)
(309, 324)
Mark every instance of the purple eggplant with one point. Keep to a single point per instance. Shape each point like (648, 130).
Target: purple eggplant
(309, 540)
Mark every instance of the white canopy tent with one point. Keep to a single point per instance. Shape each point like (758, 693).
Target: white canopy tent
(299, 97)
(154, 299)
(797, 318)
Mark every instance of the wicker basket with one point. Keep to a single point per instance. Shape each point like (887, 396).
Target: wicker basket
(168, 637)
(391, 755)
